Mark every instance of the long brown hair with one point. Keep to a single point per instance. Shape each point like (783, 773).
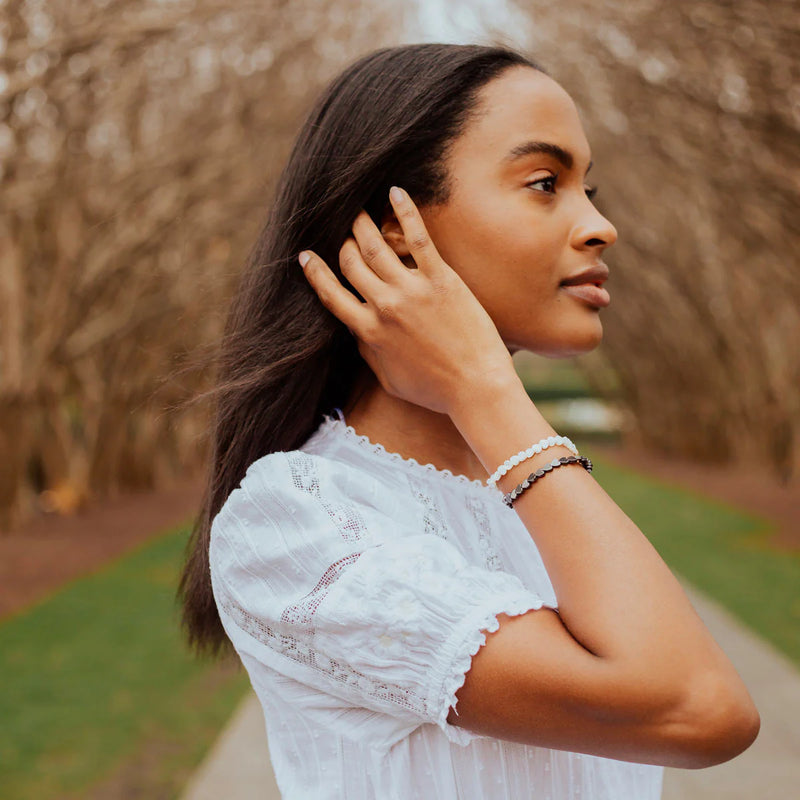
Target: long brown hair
(284, 359)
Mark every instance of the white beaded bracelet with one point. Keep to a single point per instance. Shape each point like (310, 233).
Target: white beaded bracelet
(524, 455)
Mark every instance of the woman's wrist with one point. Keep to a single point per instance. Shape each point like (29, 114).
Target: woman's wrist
(497, 419)
(483, 387)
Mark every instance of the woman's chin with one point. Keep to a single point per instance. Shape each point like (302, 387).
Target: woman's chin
(574, 342)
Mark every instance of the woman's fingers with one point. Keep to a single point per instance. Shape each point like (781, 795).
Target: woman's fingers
(360, 275)
(341, 303)
(370, 265)
(416, 234)
(375, 251)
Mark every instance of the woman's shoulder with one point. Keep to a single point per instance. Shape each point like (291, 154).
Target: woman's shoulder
(338, 477)
(290, 483)
(335, 461)
(328, 480)
(324, 474)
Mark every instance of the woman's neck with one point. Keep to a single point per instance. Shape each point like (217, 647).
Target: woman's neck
(410, 430)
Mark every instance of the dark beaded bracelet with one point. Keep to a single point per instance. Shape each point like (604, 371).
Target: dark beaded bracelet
(509, 498)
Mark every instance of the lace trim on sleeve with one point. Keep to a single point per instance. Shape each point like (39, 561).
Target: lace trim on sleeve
(459, 651)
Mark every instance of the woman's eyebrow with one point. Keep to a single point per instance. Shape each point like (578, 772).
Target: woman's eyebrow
(532, 147)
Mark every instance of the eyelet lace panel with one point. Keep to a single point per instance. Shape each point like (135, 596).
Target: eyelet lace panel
(330, 424)
(303, 652)
(434, 522)
(432, 518)
(302, 612)
(348, 521)
(478, 511)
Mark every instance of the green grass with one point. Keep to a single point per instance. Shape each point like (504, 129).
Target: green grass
(721, 550)
(96, 679)
(560, 376)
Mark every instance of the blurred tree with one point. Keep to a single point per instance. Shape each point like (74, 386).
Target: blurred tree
(693, 113)
(138, 144)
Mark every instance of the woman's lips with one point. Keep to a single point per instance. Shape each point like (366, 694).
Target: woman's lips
(594, 295)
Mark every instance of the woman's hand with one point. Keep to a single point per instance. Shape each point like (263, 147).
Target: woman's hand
(422, 331)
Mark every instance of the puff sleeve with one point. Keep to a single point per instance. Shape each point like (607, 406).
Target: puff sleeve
(319, 578)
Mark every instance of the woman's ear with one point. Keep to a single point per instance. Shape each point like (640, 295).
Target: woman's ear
(393, 235)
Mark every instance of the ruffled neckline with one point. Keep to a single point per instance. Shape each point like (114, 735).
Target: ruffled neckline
(339, 425)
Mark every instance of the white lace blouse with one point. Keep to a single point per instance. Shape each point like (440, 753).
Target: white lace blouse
(356, 585)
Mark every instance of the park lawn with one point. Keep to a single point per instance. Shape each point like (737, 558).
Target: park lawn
(721, 550)
(100, 699)
(99, 696)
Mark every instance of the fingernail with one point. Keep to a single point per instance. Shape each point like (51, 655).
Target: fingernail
(303, 258)
(396, 194)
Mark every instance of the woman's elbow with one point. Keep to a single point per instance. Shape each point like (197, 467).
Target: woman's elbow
(724, 724)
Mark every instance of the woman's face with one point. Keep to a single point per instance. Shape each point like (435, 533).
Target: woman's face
(518, 221)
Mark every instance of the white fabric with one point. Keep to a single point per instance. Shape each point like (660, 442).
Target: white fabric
(355, 586)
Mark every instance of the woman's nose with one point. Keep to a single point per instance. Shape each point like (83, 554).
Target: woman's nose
(594, 230)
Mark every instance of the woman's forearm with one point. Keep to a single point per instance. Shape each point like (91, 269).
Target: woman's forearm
(615, 594)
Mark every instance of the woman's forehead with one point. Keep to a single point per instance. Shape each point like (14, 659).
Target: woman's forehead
(522, 105)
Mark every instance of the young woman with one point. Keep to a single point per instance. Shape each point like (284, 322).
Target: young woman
(416, 622)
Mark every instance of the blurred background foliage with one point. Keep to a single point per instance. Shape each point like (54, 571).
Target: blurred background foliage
(139, 142)
(138, 145)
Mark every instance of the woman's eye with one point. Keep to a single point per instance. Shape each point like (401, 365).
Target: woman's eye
(548, 185)
(549, 182)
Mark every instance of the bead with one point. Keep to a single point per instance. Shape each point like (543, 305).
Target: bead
(509, 498)
(534, 449)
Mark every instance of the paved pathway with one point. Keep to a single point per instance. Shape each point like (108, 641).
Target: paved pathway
(238, 766)
(770, 768)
